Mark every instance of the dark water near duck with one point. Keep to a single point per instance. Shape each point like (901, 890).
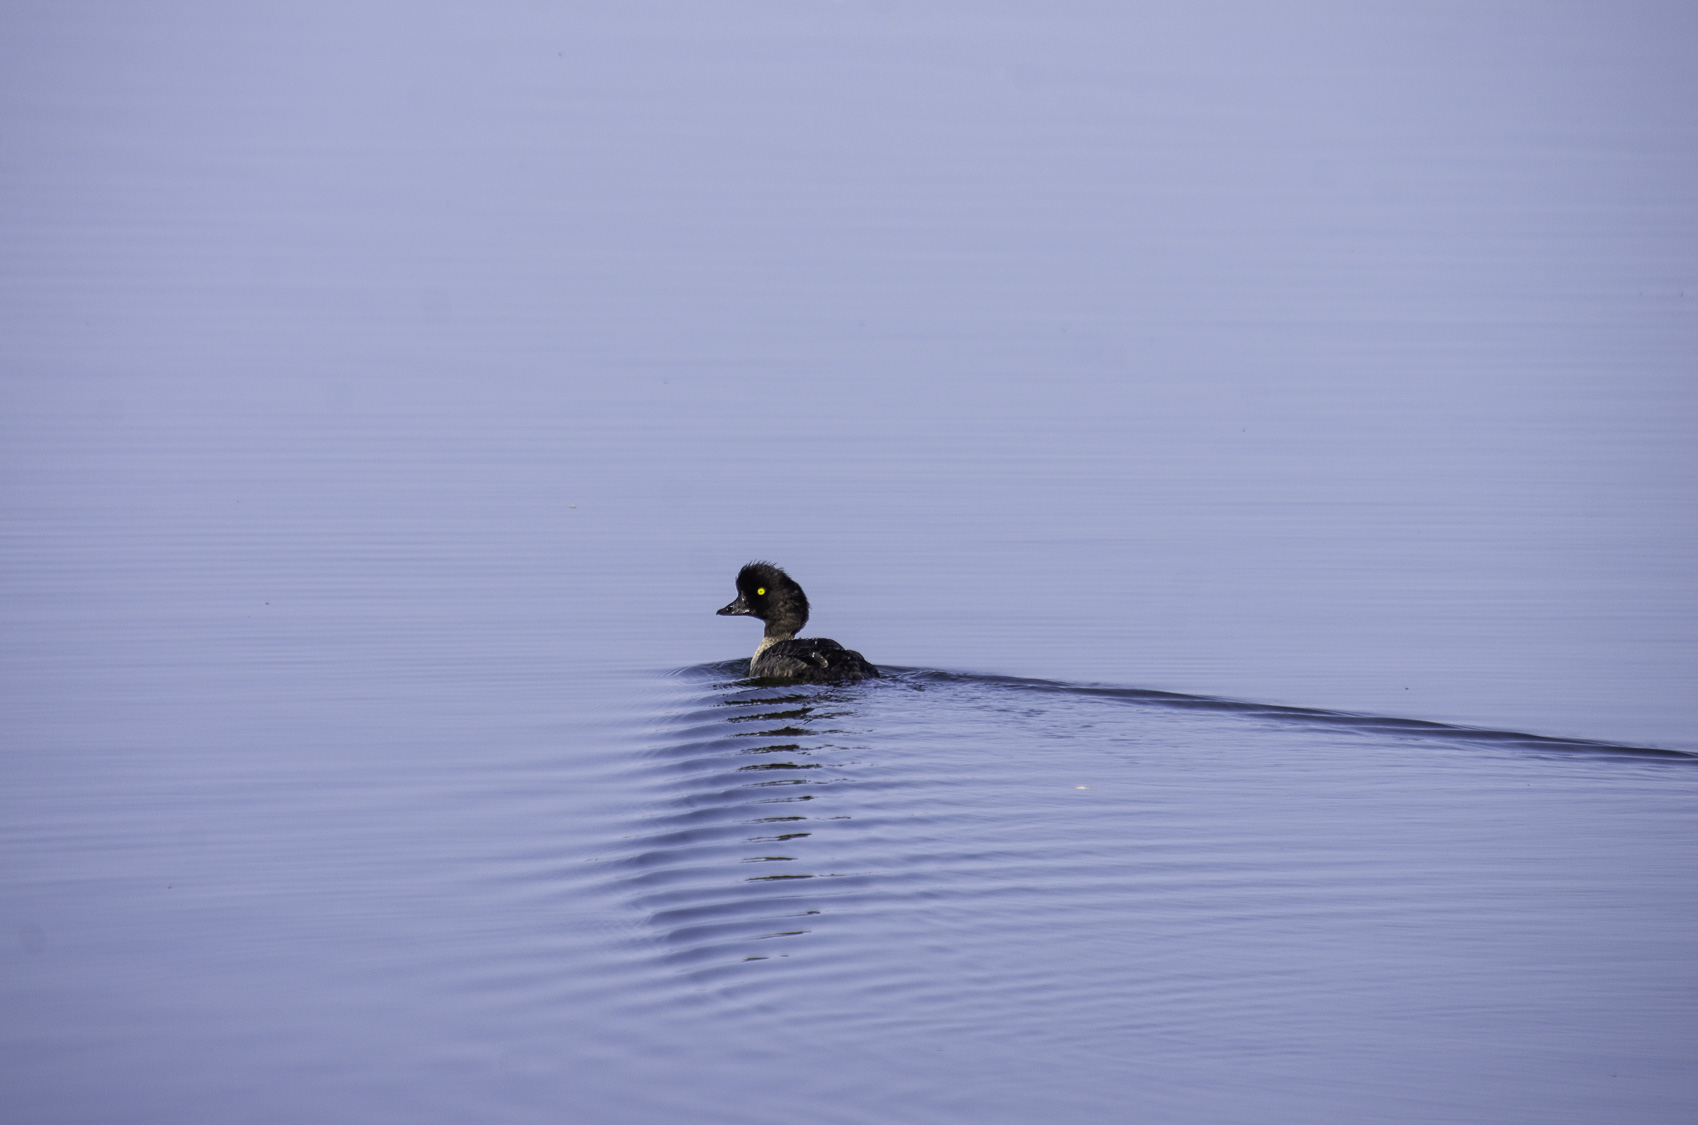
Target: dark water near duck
(1258, 451)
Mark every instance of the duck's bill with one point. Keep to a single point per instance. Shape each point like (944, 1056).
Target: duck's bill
(736, 609)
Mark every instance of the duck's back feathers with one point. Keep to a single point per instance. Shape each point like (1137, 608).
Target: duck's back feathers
(810, 660)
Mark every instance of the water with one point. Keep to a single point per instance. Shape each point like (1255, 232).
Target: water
(1257, 448)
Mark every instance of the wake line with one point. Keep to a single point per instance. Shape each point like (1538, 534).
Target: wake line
(1378, 724)
(1420, 728)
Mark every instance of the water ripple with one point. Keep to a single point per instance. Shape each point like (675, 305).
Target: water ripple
(858, 833)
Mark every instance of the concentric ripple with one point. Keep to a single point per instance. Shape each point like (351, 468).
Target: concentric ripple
(1165, 885)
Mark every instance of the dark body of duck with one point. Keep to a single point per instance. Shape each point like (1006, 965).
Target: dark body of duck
(766, 592)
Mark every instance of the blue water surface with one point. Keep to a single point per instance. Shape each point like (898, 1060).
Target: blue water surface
(1255, 442)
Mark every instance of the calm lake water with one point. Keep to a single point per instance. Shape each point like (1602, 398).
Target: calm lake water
(1257, 444)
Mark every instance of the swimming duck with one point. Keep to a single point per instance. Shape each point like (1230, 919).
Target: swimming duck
(766, 592)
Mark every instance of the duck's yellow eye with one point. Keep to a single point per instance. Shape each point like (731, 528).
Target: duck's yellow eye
(760, 592)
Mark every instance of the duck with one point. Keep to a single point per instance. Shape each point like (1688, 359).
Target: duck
(766, 592)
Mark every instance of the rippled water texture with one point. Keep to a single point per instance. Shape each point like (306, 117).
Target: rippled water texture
(1255, 441)
(1103, 899)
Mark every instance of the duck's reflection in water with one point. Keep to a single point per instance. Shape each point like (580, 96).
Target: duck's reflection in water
(737, 861)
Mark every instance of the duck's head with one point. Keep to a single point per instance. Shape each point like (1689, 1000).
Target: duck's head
(766, 592)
